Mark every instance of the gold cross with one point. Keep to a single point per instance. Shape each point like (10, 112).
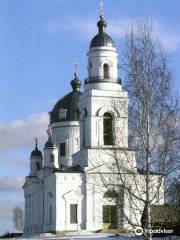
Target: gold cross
(76, 63)
(101, 7)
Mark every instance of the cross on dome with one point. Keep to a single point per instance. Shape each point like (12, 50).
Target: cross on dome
(101, 8)
(76, 63)
(76, 83)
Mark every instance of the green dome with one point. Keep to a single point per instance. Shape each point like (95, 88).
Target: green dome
(49, 144)
(69, 102)
(102, 38)
(36, 153)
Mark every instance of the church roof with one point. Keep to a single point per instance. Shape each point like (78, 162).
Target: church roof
(68, 103)
(49, 144)
(36, 152)
(102, 38)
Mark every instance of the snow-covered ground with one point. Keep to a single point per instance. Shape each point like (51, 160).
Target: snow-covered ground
(101, 236)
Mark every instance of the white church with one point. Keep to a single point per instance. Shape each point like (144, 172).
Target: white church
(77, 183)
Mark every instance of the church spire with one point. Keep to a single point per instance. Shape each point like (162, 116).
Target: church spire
(36, 143)
(36, 152)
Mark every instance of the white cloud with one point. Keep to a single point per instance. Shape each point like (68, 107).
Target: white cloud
(169, 40)
(117, 28)
(85, 28)
(17, 138)
(21, 133)
(11, 184)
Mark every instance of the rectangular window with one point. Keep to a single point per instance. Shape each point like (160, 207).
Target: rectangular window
(73, 213)
(62, 113)
(62, 149)
(110, 214)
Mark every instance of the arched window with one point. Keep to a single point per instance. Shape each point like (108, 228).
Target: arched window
(52, 158)
(107, 129)
(90, 68)
(85, 112)
(37, 166)
(106, 70)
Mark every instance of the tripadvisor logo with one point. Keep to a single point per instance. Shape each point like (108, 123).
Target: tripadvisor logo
(138, 231)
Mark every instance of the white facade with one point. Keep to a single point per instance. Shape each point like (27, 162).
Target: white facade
(69, 188)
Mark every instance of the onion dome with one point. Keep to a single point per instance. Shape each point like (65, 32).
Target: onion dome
(102, 38)
(36, 152)
(49, 143)
(66, 109)
(76, 83)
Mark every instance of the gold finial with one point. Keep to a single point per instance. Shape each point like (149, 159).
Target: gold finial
(101, 8)
(76, 63)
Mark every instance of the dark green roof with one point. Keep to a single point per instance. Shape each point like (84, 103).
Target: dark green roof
(36, 153)
(102, 38)
(70, 103)
(49, 144)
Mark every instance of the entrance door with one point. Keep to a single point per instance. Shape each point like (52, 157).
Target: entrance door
(109, 216)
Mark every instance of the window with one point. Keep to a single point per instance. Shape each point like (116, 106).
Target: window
(52, 158)
(62, 149)
(37, 166)
(85, 112)
(106, 70)
(107, 129)
(73, 213)
(62, 113)
(110, 215)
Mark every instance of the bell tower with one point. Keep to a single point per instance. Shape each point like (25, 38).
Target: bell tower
(103, 105)
(102, 57)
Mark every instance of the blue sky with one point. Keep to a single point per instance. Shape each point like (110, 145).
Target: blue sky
(39, 40)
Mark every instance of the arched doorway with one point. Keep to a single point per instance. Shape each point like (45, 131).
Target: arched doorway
(110, 210)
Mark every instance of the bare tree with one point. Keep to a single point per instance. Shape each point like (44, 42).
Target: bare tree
(18, 218)
(153, 130)
(153, 111)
